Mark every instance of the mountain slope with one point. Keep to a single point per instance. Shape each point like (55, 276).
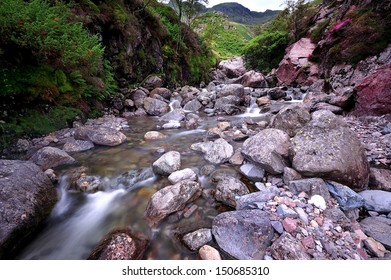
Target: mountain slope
(238, 13)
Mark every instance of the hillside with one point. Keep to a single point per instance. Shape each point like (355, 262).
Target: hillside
(224, 37)
(240, 14)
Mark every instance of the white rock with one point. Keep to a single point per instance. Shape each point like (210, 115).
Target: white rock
(185, 174)
(318, 201)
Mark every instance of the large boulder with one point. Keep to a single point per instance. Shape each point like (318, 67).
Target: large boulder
(27, 197)
(380, 179)
(100, 135)
(268, 149)
(120, 244)
(233, 67)
(228, 188)
(50, 157)
(163, 92)
(155, 107)
(252, 79)
(167, 163)
(73, 146)
(379, 228)
(216, 152)
(232, 89)
(244, 234)
(152, 82)
(296, 57)
(373, 95)
(291, 119)
(375, 200)
(174, 115)
(328, 149)
(171, 199)
(228, 105)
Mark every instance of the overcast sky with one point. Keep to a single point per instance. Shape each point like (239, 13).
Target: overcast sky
(254, 5)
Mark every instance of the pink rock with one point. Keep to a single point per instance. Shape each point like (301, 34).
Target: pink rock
(291, 67)
(308, 242)
(373, 94)
(289, 225)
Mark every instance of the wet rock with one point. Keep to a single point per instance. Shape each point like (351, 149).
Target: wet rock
(379, 228)
(120, 244)
(207, 252)
(244, 234)
(310, 186)
(171, 199)
(174, 115)
(256, 200)
(276, 93)
(327, 149)
(52, 176)
(228, 105)
(163, 92)
(181, 175)
(89, 184)
(252, 79)
(346, 197)
(172, 125)
(286, 247)
(379, 201)
(154, 135)
(50, 157)
(138, 97)
(74, 146)
(252, 172)
(375, 248)
(167, 163)
(99, 135)
(152, 82)
(380, 179)
(228, 188)
(216, 152)
(263, 101)
(290, 175)
(193, 105)
(155, 107)
(268, 149)
(233, 67)
(291, 119)
(27, 197)
(195, 240)
(373, 94)
(236, 90)
(284, 211)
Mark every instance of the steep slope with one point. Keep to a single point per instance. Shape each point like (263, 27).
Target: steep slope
(238, 13)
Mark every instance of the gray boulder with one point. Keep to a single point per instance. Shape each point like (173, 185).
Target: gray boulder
(50, 157)
(291, 119)
(233, 67)
(346, 197)
(171, 199)
(310, 186)
(232, 89)
(328, 149)
(174, 115)
(193, 105)
(27, 197)
(181, 175)
(228, 105)
(74, 146)
(244, 234)
(195, 240)
(100, 135)
(152, 82)
(269, 149)
(375, 200)
(380, 179)
(252, 79)
(228, 188)
(252, 172)
(167, 163)
(155, 107)
(379, 228)
(216, 152)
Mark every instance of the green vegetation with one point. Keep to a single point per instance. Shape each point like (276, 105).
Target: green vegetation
(225, 38)
(265, 51)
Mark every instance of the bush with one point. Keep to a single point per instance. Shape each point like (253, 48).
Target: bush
(265, 51)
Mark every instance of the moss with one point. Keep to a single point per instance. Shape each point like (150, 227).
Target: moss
(318, 32)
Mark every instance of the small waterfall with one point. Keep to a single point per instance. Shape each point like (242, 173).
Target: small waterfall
(174, 104)
(252, 110)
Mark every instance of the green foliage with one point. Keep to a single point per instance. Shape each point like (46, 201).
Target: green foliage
(318, 32)
(225, 38)
(33, 123)
(42, 48)
(265, 51)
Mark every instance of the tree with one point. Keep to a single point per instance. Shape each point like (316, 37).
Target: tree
(187, 9)
(297, 10)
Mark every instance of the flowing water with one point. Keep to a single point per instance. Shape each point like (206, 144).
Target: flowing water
(80, 220)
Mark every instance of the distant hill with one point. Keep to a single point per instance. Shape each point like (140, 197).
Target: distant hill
(238, 13)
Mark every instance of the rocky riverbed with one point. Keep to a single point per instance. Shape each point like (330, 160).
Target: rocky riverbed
(234, 169)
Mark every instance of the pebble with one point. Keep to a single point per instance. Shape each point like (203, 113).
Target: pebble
(289, 225)
(318, 201)
(314, 224)
(284, 211)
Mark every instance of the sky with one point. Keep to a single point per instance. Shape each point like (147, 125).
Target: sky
(253, 5)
